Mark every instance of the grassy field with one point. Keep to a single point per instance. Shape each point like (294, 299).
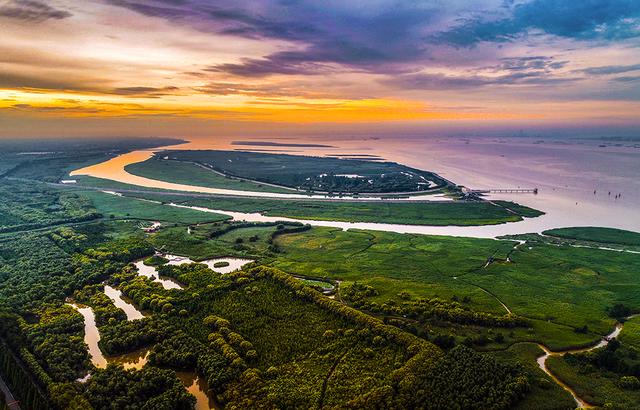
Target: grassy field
(545, 394)
(559, 288)
(596, 387)
(410, 213)
(630, 334)
(519, 209)
(191, 174)
(392, 263)
(566, 285)
(595, 234)
(390, 211)
(198, 246)
(123, 207)
(314, 173)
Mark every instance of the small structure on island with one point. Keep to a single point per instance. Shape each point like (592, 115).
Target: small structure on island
(151, 229)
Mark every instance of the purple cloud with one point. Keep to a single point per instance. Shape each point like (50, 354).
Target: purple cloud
(31, 10)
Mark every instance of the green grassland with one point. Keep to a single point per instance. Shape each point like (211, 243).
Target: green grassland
(192, 174)
(545, 394)
(391, 263)
(455, 213)
(594, 234)
(198, 246)
(559, 289)
(519, 209)
(595, 386)
(313, 173)
(124, 207)
(630, 335)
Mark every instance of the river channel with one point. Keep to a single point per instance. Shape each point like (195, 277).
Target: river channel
(137, 359)
(542, 360)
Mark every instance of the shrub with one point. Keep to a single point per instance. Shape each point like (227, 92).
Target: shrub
(221, 264)
(629, 382)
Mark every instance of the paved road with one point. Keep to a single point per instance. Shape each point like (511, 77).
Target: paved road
(11, 401)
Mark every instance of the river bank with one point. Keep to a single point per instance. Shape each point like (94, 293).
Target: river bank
(548, 353)
(579, 180)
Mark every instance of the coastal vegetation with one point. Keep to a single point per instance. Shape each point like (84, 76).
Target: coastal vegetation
(595, 234)
(190, 173)
(320, 174)
(113, 206)
(454, 213)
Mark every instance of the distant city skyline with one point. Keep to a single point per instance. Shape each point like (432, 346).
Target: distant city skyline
(199, 68)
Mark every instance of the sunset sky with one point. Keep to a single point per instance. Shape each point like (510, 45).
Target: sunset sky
(171, 67)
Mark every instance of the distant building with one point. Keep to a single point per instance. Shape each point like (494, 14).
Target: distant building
(153, 228)
(69, 181)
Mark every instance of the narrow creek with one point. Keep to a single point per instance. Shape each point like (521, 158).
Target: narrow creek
(542, 361)
(91, 335)
(197, 386)
(137, 359)
(123, 303)
(151, 273)
(132, 360)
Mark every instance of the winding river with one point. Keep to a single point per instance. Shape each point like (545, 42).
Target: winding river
(136, 359)
(542, 360)
(123, 303)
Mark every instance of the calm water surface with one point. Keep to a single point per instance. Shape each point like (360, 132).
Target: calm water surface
(123, 303)
(168, 283)
(567, 172)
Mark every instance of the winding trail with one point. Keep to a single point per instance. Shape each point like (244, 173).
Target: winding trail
(493, 295)
(323, 392)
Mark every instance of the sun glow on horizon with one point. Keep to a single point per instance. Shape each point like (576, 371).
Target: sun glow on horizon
(244, 63)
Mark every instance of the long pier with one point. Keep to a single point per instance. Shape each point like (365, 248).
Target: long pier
(503, 191)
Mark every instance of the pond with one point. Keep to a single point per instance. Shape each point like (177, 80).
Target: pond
(151, 272)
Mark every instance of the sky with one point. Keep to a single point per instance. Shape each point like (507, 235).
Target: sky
(196, 67)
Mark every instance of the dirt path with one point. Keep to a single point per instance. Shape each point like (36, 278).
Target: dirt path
(326, 380)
